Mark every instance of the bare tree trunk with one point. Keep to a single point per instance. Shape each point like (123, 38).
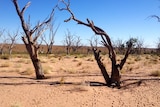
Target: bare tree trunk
(1, 51)
(67, 49)
(10, 53)
(50, 41)
(38, 68)
(49, 48)
(101, 66)
(115, 74)
(3, 42)
(29, 41)
(11, 48)
(12, 39)
(68, 41)
(33, 52)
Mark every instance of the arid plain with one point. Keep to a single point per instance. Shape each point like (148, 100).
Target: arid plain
(76, 81)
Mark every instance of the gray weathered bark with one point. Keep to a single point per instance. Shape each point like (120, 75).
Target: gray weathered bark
(28, 39)
(115, 73)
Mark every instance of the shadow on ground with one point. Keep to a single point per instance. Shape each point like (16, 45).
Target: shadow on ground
(127, 82)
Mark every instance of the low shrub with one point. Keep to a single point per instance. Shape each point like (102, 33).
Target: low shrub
(155, 73)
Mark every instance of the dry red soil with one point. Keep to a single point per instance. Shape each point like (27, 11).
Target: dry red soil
(77, 82)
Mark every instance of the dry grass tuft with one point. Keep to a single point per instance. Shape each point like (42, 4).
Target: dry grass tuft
(16, 70)
(47, 70)
(90, 59)
(28, 71)
(147, 57)
(5, 65)
(62, 80)
(122, 71)
(79, 64)
(127, 69)
(130, 62)
(68, 70)
(138, 58)
(78, 89)
(28, 61)
(75, 60)
(26, 56)
(153, 61)
(44, 60)
(80, 56)
(15, 105)
(5, 57)
(52, 60)
(21, 61)
(155, 73)
(17, 65)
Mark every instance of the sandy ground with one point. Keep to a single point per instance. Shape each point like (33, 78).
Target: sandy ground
(77, 82)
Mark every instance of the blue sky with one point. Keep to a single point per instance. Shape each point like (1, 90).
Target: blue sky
(121, 19)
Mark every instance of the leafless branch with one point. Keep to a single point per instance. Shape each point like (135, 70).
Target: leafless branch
(90, 24)
(20, 14)
(30, 41)
(25, 7)
(125, 57)
(100, 64)
(24, 39)
(1, 32)
(38, 32)
(155, 16)
(24, 25)
(115, 75)
(45, 22)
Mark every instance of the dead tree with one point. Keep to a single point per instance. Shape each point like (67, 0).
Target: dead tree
(139, 46)
(1, 32)
(12, 40)
(30, 41)
(158, 41)
(3, 41)
(134, 45)
(94, 41)
(68, 41)
(115, 73)
(50, 41)
(158, 46)
(120, 46)
(76, 43)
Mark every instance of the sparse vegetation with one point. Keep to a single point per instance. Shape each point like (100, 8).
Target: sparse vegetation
(15, 105)
(21, 61)
(5, 65)
(106, 73)
(44, 60)
(79, 64)
(90, 59)
(70, 70)
(138, 58)
(5, 57)
(28, 71)
(47, 70)
(153, 61)
(155, 73)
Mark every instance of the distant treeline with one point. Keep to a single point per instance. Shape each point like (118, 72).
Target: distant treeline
(57, 49)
